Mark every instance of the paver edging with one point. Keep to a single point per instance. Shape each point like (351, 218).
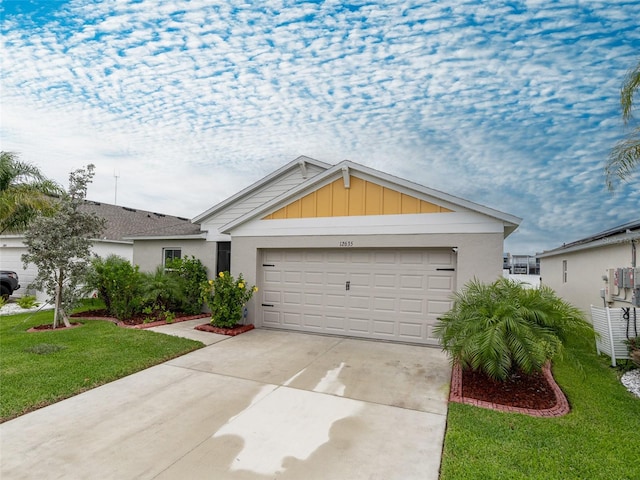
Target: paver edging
(559, 409)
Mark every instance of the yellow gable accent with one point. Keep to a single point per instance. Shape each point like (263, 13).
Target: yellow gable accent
(363, 198)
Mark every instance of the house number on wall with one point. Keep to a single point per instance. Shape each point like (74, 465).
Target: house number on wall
(346, 243)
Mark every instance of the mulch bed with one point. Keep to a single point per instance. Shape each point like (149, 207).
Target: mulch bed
(232, 332)
(535, 394)
(49, 327)
(138, 321)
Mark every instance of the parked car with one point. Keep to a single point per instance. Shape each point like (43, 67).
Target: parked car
(9, 283)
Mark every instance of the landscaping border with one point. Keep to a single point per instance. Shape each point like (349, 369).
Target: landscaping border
(142, 326)
(559, 409)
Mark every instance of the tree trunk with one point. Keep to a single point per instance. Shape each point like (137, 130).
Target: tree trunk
(59, 313)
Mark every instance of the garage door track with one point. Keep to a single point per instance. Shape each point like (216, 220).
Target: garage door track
(266, 404)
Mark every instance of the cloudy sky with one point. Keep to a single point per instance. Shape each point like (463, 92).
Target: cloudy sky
(510, 104)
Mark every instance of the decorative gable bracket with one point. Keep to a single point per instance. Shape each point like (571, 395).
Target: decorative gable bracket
(346, 177)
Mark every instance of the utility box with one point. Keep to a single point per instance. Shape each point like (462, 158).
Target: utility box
(627, 278)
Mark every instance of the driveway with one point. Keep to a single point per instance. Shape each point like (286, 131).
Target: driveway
(265, 404)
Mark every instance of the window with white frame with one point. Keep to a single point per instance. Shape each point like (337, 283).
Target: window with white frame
(564, 271)
(169, 254)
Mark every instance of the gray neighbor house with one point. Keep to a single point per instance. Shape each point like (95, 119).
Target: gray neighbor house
(121, 222)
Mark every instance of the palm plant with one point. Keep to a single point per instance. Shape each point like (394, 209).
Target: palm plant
(502, 328)
(161, 289)
(24, 192)
(625, 155)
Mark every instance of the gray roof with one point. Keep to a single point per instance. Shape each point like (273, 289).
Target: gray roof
(124, 222)
(630, 230)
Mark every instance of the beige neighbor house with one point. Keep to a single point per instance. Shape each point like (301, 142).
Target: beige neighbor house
(599, 275)
(344, 249)
(581, 272)
(120, 222)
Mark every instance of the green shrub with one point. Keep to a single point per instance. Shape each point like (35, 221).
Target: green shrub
(191, 274)
(28, 301)
(3, 302)
(503, 328)
(118, 284)
(162, 289)
(226, 298)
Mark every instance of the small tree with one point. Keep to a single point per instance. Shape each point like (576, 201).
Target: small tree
(60, 246)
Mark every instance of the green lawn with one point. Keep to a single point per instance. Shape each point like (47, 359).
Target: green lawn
(37, 369)
(599, 439)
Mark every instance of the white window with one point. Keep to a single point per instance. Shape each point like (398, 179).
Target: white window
(169, 254)
(564, 271)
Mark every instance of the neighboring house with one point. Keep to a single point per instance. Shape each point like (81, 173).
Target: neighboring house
(346, 249)
(120, 222)
(583, 271)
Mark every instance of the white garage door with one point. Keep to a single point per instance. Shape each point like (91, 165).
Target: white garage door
(388, 294)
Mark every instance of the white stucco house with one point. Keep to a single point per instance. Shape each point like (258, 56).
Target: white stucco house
(583, 270)
(343, 249)
(120, 222)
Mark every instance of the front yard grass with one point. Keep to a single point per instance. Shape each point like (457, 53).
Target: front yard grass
(598, 439)
(37, 369)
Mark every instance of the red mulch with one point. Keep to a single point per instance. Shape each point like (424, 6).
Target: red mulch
(521, 390)
(138, 321)
(232, 332)
(49, 327)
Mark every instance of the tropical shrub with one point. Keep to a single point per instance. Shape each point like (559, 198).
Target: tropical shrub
(192, 273)
(28, 301)
(226, 298)
(162, 289)
(117, 283)
(502, 328)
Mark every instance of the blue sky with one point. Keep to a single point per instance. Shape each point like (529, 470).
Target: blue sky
(513, 105)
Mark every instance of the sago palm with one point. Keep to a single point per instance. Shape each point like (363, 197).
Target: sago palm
(502, 328)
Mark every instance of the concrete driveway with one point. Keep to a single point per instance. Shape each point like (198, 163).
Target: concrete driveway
(265, 404)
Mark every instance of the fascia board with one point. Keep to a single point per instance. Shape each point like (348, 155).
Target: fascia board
(257, 185)
(407, 224)
(510, 222)
(195, 236)
(601, 242)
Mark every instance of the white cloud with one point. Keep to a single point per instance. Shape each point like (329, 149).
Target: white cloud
(511, 106)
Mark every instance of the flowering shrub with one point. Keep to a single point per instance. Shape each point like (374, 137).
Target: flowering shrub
(226, 298)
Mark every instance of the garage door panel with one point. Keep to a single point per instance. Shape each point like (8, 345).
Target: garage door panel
(392, 294)
(271, 296)
(292, 277)
(412, 282)
(292, 319)
(313, 299)
(291, 298)
(315, 322)
(359, 325)
(359, 302)
(384, 280)
(271, 318)
(408, 305)
(384, 304)
(314, 278)
(336, 324)
(439, 306)
(440, 282)
(381, 327)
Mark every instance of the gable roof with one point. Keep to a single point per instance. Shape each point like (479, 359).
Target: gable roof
(299, 162)
(627, 231)
(123, 223)
(345, 167)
